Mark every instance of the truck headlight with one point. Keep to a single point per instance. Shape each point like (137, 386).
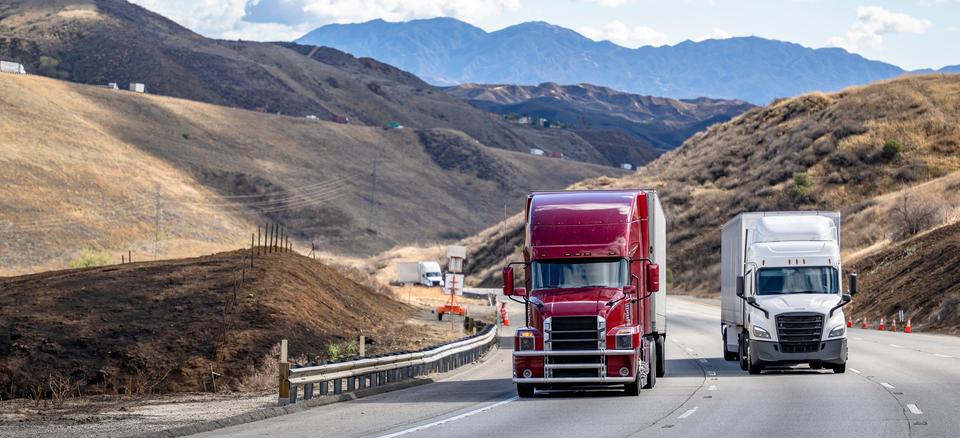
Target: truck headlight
(760, 333)
(624, 339)
(527, 340)
(837, 331)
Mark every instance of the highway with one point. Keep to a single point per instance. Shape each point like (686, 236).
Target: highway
(896, 385)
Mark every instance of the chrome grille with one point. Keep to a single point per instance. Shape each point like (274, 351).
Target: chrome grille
(799, 332)
(566, 333)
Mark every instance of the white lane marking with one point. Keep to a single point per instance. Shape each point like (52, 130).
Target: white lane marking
(711, 373)
(689, 349)
(913, 408)
(688, 413)
(451, 419)
(943, 355)
(886, 385)
(712, 388)
(896, 346)
(702, 360)
(858, 338)
(855, 370)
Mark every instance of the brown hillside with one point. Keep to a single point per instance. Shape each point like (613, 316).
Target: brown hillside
(102, 41)
(816, 151)
(920, 275)
(83, 167)
(163, 326)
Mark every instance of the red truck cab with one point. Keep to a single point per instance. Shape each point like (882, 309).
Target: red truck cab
(593, 289)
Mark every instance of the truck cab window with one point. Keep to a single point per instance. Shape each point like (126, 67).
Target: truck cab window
(562, 274)
(797, 280)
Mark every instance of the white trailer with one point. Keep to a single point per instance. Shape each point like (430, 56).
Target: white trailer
(12, 67)
(138, 87)
(781, 291)
(422, 273)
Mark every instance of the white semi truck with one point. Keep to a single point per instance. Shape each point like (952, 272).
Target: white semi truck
(781, 291)
(422, 273)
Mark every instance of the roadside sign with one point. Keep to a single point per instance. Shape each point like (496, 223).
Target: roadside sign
(457, 252)
(455, 265)
(454, 283)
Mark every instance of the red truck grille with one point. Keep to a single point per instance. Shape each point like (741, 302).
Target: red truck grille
(582, 333)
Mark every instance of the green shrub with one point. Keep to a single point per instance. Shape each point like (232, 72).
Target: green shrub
(891, 149)
(89, 259)
(341, 350)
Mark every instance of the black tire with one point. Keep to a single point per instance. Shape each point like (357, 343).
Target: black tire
(439, 316)
(661, 356)
(652, 376)
(744, 365)
(839, 369)
(816, 366)
(728, 355)
(755, 367)
(632, 389)
(525, 390)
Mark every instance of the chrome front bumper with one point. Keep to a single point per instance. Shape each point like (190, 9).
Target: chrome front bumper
(597, 380)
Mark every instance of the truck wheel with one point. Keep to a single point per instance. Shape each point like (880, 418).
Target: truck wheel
(652, 376)
(632, 389)
(661, 356)
(840, 369)
(727, 354)
(756, 367)
(525, 390)
(816, 366)
(744, 365)
(439, 316)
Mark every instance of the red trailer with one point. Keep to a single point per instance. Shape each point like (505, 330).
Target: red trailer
(594, 291)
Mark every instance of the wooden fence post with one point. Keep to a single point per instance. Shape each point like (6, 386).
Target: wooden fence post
(363, 345)
(251, 250)
(258, 239)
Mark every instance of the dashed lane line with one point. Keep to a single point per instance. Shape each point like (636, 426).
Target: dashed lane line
(711, 373)
(886, 385)
(943, 355)
(896, 346)
(914, 409)
(688, 413)
(712, 388)
(855, 370)
(702, 360)
(451, 419)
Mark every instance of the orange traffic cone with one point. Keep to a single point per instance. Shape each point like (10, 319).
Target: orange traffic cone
(863, 323)
(881, 325)
(907, 328)
(503, 315)
(893, 324)
(849, 322)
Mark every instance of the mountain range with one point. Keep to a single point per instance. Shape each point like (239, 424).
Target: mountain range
(446, 51)
(627, 128)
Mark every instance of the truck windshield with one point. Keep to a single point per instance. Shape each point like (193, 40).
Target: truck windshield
(573, 274)
(806, 280)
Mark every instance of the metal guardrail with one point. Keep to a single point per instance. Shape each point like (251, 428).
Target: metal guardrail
(358, 374)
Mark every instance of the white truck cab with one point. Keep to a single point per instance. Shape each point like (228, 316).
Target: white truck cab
(781, 290)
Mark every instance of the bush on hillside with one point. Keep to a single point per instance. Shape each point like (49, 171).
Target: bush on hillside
(914, 214)
(90, 259)
(891, 149)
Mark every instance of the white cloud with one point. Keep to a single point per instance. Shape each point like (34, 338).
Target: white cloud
(610, 3)
(715, 34)
(225, 18)
(873, 22)
(619, 33)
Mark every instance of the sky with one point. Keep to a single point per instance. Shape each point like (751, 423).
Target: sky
(912, 34)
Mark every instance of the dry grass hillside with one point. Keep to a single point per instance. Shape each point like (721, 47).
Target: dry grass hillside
(102, 41)
(83, 168)
(865, 151)
(167, 326)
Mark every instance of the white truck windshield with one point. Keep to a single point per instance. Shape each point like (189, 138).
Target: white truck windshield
(799, 280)
(575, 274)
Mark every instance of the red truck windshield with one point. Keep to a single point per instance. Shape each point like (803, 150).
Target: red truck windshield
(574, 274)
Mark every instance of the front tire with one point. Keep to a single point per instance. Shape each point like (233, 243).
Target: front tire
(840, 369)
(632, 389)
(661, 356)
(525, 390)
(756, 366)
(742, 346)
(654, 370)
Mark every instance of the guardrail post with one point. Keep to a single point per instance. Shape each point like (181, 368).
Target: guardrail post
(363, 345)
(308, 391)
(284, 367)
(337, 386)
(363, 382)
(351, 384)
(324, 388)
(293, 394)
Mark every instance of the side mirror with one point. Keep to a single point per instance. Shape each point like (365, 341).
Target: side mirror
(845, 298)
(520, 292)
(751, 300)
(653, 277)
(508, 281)
(853, 283)
(740, 286)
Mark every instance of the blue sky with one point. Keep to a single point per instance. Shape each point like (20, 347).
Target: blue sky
(910, 33)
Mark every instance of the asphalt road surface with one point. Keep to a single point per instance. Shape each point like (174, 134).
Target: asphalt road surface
(896, 385)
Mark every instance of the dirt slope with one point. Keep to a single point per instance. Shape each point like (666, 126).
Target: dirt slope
(920, 275)
(812, 152)
(84, 168)
(163, 326)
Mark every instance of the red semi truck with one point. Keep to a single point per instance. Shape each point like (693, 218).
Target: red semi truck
(594, 291)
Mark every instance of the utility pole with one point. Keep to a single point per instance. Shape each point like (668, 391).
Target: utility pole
(156, 229)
